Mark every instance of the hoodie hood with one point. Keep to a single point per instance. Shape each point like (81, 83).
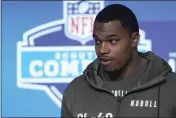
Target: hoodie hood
(156, 71)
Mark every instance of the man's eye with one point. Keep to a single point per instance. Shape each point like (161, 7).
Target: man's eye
(97, 42)
(113, 41)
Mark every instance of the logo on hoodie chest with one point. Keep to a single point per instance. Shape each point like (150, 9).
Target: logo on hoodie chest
(119, 93)
(143, 103)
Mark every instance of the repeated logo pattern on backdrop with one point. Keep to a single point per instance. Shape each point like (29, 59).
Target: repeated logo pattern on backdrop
(53, 54)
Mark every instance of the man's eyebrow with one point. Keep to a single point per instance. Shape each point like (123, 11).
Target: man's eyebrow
(112, 35)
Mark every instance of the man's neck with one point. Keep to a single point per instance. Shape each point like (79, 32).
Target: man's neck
(131, 68)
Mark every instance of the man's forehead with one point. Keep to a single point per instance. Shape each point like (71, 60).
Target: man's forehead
(104, 35)
(106, 29)
(107, 26)
(114, 22)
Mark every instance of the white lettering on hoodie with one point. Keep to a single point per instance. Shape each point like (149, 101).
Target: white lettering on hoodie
(143, 103)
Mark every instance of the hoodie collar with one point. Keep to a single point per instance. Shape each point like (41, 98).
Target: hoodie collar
(155, 72)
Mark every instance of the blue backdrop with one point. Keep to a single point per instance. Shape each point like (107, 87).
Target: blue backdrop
(38, 38)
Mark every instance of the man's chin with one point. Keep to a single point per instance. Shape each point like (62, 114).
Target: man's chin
(109, 69)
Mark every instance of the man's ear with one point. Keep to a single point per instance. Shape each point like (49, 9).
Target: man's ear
(135, 38)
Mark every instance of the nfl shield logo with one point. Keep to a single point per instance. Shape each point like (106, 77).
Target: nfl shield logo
(79, 17)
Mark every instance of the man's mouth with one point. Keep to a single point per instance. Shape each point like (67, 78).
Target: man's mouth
(106, 61)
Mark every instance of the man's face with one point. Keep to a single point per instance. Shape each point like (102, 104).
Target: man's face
(113, 45)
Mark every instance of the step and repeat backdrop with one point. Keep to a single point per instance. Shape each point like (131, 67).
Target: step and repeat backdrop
(48, 43)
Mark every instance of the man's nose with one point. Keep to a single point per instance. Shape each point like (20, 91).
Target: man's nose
(104, 48)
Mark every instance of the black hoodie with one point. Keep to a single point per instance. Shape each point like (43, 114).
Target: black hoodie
(153, 96)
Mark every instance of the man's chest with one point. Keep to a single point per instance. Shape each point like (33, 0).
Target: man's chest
(103, 104)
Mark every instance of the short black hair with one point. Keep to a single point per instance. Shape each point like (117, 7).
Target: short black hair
(121, 13)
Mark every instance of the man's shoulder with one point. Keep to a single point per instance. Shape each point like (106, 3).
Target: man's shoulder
(168, 89)
(76, 84)
(171, 77)
(170, 82)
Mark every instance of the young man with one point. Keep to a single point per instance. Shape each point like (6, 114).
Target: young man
(121, 82)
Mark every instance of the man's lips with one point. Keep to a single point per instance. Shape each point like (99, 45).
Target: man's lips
(105, 60)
